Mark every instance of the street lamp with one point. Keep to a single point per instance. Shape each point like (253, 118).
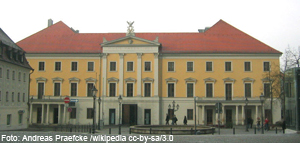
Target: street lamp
(94, 91)
(262, 100)
(120, 102)
(173, 105)
(246, 101)
(99, 103)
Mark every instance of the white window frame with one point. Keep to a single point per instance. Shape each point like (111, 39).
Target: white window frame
(264, 66)
(168, 89)
(76, 66)
(60, 66)
(39, 66)
(116, 94)
(231, 66)
(186, 89)
(145, 66)
(71, 89)
(150, 89)
(187, 66)
(132, 66)
(60, 84)
(132, 88)
(232, 91)
(115, 67)
(212, 66)
(250, 66)
(87, 88)
(251, 90)
(37, 85)
(1, 72)
(168, 66)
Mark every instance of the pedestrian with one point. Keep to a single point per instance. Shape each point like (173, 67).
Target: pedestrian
(251, 122)
(248, 122)
(185, 121)
(267, 124)
(167, 119)
(258, 123)
(175, 120)
(283, 124)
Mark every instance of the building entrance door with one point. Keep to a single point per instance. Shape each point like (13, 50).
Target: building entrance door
(228, 116)
(209, 116)
(55, 116)
(129, 114)
(39, 115)
(147, 117)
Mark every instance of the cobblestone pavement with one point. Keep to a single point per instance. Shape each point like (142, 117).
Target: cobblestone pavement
(226, 135)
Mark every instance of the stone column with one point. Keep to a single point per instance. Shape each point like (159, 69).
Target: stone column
(121, 73)
(30, 114)
(139, 75)
(256, 114)
(59, 121)
(47, 114)
(243, 115)
(64, 117)
(42, 114)
(223, 114)
(203, 114)
(156, 82)
(104, 70)
(236, 115)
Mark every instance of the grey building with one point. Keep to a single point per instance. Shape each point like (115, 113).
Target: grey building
(14, 85)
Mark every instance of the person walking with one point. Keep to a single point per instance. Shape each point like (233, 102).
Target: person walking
(167, 119)
(267, 124)
(283, 126)
(185, 120)
(258, 123)
(175, 120)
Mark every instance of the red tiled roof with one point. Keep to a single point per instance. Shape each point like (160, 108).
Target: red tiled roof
(220, 38)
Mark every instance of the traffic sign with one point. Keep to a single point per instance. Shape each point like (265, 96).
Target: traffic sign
(67, 100)
(74, 100)
(69, 109)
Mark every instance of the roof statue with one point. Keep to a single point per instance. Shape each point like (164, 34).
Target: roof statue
(130, 30)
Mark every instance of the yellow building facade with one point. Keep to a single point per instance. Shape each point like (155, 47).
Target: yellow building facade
(182, 74)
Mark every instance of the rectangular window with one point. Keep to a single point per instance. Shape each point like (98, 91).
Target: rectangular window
(73, 89)
(8, 122)
(208, 66)
(113, 66)
(267, 90)
(248, 90)
(13, 75)
(19, 97)
(247, 66)
(0, 72)
(171, 90)
(266, 66)
(288, 87)
(190, 114)
(73, 113)
(7, 73)
(190, 66)
(40, 90)
(227, 66)
(90, 66)
(147, 66)
(147, 90)
(24, 77)
(19, 76)
(56, 89)
(74, 66)
(6, 97)
(209, 90)
(171, 66)
(57, 66)
(129, 66)
(12, 97)
(89, 89)
(24, 99)
(129, 89)
(228, 91)
(112, 89)
(20, 118)
(190, 89)
(41, 66)
(90, 113)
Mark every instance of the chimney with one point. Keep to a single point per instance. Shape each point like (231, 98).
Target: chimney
(50, 22)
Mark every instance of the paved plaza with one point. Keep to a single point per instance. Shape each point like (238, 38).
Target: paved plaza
(226, 135)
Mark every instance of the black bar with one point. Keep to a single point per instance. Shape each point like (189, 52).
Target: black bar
(191, 131)
(171, 131)
(254, 130)
(109, 130)
(150, 130)
(276, 130)
(119, 130)
(283, 131)
(129, 130)
(233, 131)
(71, 129)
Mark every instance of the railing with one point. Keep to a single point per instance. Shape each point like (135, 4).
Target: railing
(74, 128)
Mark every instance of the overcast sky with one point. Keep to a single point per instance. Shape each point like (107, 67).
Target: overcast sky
(274, 22)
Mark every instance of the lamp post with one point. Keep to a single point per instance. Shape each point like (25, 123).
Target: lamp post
(246, 101)
(173, 108)
(262, 100)
(94, 91)
(99, 103)
(120, 102)
(195, 100)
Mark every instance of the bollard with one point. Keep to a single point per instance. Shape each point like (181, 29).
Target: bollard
(119, 130)
(129, 130)
(90, 130)
(191, 131)
(233, 131)
(150, 131)
(171, 131)
(276, 130)
(254, 130)
(71, 129)
(283, 131)
(109, 130)
(213, 131)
